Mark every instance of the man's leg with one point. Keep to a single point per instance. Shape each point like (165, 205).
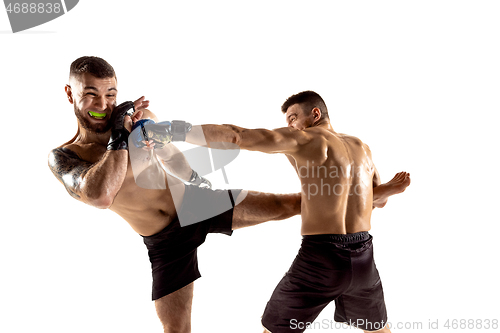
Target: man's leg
(384, 330)
(174, 310)
(258, 207)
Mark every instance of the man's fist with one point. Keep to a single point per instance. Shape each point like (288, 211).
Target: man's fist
(146, 132)
(119, 134)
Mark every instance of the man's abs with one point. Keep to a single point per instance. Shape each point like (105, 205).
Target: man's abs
(148, 210)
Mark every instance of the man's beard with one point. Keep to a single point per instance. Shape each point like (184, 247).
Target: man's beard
(93, 128)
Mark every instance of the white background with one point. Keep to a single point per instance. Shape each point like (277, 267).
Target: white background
(418, 81)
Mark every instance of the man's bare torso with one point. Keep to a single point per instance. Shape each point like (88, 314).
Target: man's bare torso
(336, 174)
(148, 211)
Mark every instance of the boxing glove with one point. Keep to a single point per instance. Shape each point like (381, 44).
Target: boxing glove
(160, 133)
(119, 135)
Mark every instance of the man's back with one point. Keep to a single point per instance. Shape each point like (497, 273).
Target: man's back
(336, 174)
(338, 181)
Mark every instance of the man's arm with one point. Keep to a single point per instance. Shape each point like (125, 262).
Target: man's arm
(382, 192)
(94, 184)
(172, 158)
(98, 183)
(282, 140)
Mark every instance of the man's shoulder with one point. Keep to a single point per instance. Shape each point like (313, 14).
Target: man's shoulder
(66, 155)
(332, 136)
(356, 144)
(67, 166)
(64, 151)
(351, 138)
(61, 158)
(318, 132)
(91, 152)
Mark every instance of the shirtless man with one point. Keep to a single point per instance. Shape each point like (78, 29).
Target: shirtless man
(95, 169)
(339, 179)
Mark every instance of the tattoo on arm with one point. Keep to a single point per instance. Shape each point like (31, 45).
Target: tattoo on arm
(69, 168)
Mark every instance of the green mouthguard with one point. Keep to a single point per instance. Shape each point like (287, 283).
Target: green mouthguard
(98, 115)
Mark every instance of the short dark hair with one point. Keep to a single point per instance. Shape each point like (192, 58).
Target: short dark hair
(96, 66)
(308, 100)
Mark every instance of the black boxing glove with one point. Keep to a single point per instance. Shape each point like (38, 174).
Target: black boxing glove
(119, 134)
(178, 129)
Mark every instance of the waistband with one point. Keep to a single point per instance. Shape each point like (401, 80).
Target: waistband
(339, 238)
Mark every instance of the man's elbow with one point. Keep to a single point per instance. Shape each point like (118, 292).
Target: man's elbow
(234, 134)
(232, 138)
(102, 204)
(254, 139)
(236, 139)
(102, 201)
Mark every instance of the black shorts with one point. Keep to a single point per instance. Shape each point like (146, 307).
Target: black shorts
(173, 251)
(329, 268)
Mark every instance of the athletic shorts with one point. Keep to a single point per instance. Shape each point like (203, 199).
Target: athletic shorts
(329, 268)
(173, 251)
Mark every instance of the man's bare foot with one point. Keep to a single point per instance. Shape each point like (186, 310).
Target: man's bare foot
(399, 183)
(396, 185)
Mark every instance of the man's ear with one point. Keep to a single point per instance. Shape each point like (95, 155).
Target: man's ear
(69, 93)
(316, 112)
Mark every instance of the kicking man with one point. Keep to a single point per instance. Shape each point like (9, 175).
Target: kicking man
(95, 168)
